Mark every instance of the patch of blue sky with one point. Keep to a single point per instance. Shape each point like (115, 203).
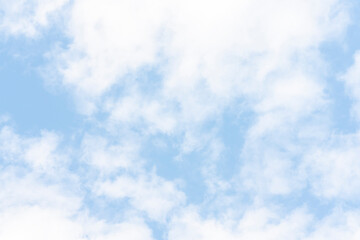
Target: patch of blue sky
(23, 95)
(234, 125)
(185, 169)
(159, 230)
(162, 153)
(101, 207)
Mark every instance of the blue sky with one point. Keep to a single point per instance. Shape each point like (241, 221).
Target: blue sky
(178, 120)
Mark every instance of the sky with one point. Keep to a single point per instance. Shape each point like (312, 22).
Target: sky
(179, 120)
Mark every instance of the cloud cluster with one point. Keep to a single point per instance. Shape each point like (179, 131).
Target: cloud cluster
(203, 60)
(42, 198)
(173, 77)
(27, 17)
(40, 153)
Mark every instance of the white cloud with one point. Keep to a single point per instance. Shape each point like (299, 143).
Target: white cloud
(40, 153)
(334, 167)
(33, 222)
(338, 225)
(27, 17)
(205, 59)
(10, 143)
(134, 110)
(274, 174)
(21, 189)
(36, 207)
(259, 223)
(100, 154)
(274, 148)
(110, 39)
(37, 223)
(268, 224)
(152, 194)
(41, 211)
(133, 229)
(295, 94)
(43, 199)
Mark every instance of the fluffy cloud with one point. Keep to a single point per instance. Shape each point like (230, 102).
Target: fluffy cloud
(40, 153)
(265, 223)
(110, 40)
(204, 60)
(152, 194)
(42, 199)
(334, 167)
(259, 223)
(134, 229)
(37, 223)
(27, 17)
(338, 225)
(103, 156)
